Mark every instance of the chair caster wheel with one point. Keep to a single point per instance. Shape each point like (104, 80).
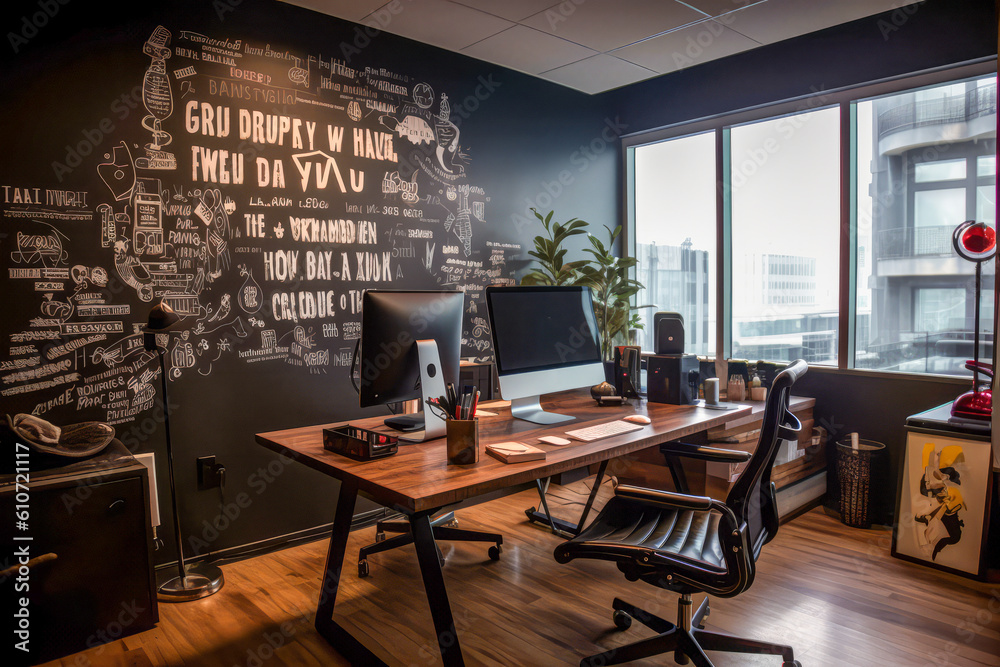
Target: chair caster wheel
(494, 552)
(363, 568)
(379, 537)
(621, 620)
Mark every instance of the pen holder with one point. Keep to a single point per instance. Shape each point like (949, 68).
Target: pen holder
(463, 441)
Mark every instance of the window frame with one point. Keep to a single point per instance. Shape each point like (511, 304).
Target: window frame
(720, 123)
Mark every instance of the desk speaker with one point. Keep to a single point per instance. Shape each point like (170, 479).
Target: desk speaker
(672, 378)
(668, 332)
(627, 367)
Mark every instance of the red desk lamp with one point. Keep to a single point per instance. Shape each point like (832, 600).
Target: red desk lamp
(975, 242)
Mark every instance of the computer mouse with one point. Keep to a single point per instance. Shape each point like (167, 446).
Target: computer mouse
(637, 419)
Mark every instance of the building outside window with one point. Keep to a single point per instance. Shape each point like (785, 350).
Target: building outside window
(924, 160)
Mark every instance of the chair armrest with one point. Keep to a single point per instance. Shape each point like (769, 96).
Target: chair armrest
(790, 427)
(703, 453)
(664, 499)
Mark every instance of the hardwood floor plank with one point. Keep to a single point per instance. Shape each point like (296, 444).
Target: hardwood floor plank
(832, 592)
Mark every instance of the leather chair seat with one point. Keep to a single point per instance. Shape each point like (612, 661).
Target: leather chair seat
(633, 532)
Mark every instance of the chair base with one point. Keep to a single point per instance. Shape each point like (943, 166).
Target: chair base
(687, 640)
(443, 529)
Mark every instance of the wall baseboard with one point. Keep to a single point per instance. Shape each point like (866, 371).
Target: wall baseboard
(253, 549)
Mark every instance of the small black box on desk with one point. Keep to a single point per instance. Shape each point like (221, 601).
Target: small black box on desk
(672, 378)
(358, 443)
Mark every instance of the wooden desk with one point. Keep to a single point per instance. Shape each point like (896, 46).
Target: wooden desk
(418, 482)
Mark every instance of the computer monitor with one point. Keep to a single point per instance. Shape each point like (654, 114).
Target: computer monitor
(545, 340)
(410, 347)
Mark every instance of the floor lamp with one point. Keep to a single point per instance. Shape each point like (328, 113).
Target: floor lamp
(193, 580)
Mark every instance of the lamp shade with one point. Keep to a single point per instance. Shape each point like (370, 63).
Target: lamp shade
(161, 318)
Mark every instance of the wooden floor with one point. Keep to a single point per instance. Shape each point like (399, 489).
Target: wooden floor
(832, 592)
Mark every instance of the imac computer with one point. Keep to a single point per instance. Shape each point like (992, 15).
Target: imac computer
(410, 347)
(544, 340)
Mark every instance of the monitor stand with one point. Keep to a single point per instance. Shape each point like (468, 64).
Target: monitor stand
(431, 385)
(530, 410)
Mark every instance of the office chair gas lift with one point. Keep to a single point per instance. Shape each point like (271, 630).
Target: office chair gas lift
(692, 544)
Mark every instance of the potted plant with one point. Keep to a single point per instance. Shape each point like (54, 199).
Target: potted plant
(605, 274)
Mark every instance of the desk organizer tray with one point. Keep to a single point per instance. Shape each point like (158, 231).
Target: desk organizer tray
(358, 443)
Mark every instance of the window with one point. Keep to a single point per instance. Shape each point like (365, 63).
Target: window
(923, 159)
(785, 237)
(925, 163)
(675, 236)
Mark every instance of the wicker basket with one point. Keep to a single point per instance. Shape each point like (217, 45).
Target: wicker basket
(854, 468)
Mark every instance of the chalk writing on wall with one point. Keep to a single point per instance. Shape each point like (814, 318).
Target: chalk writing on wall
(258, 192)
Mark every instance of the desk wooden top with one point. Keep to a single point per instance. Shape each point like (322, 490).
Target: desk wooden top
(418, 477)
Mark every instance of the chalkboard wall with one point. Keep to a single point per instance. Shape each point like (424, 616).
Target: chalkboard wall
(255, 166)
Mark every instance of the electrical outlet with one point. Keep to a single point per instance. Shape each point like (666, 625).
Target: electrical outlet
(209, 476)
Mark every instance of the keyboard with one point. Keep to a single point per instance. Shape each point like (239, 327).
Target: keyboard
(606, 430)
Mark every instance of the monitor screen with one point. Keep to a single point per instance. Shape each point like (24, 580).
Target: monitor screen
(391, 322)
(538, 328)
(545, 339)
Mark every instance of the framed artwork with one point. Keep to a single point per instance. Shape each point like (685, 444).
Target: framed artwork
(943, 506)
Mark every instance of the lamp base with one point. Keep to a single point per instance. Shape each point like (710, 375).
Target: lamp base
(200, 581)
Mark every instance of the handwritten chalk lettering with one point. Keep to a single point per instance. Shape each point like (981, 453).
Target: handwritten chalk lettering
(373, 266)
(255, 225)
(184, 72)
(216, 166)
(73, 345)
(103, 311)
(181, 52)
(374, 145)
(281, 265)
(44, 248)
(250, 75)
(316, 230)
(335, 137)
(318, 264)
(319, 166)
(49, 287)
(295, 306)
(15, 364)
(38, 373)
(15, 195)
(262, 128)
(270, 174)
(352, 330)
(41, 386)
(207, 120)
(313, 202)
(81, 328)
(75, 198)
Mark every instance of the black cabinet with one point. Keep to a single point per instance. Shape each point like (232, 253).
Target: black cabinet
(88, 537)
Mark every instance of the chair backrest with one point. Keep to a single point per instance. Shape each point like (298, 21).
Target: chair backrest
(752, 496)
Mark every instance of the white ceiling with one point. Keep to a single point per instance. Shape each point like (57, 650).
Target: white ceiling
(597, 45)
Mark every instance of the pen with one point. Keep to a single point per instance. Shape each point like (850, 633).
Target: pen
(475, 403)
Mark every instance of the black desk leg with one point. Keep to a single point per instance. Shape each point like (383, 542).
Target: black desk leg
(333, 632)
(560, 527)
(437, 596)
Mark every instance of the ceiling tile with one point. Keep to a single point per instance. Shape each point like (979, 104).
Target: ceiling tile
(512, 10)
(686, 47)
(775, 20)
(441, 23)
(598, 73)
(352, 10)
(527, 50)
(608, 24)
(717, 7)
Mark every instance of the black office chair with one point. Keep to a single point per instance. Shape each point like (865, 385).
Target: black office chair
(444, 526)
(691, 544)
